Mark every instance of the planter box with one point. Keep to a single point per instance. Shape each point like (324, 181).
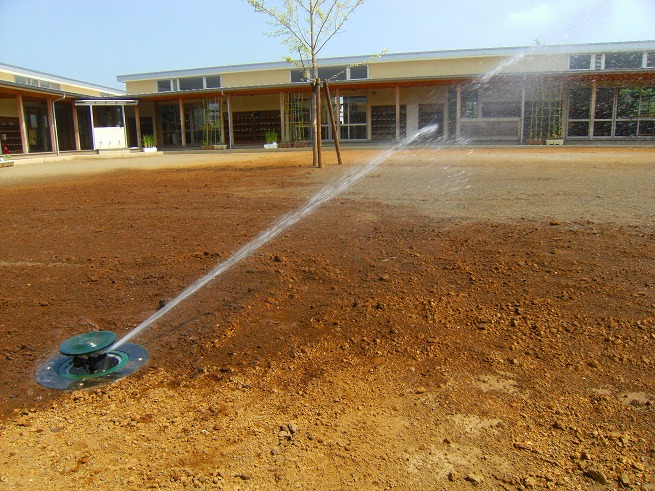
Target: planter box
(292, 145)
(219, 147)
(555, 142)
(149, 149)
(6, 163)
(269, 146)
(534, 141)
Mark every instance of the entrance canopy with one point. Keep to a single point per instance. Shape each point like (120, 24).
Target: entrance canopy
(107, 121)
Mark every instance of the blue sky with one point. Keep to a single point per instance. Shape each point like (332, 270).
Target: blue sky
(96, 40)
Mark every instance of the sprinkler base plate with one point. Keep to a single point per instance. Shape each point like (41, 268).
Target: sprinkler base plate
(65, 373)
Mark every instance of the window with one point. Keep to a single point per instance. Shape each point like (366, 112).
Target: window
(650, 59)
(604, 103)
(626, 128)
(361, 71)
(34, 82)
(213, 81)
(602, 128)
(470, 104)
(578, 128)
(191, 83)
(501, 109)
(49, 85)
(580, 62)
(299, 75)
(646, 128)
(579, 103)
(627, 106)
(619, 112)
(623, 61)
(579, 112)
(164, 86)
(26, 81)
(339, 72)
(647, 107)
(353, 118)
(332, 73)
(107, 116)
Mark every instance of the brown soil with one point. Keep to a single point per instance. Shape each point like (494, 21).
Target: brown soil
(458, 319)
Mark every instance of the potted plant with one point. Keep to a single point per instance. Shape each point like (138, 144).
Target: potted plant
(148, 142)
(555, 134)
(271, 139)
(5, 160)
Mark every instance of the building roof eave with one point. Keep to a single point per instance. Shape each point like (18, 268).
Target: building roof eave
(20, 88)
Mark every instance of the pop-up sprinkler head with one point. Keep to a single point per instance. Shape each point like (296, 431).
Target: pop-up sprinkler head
(87, 360)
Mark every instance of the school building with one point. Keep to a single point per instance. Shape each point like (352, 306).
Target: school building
(580, 94)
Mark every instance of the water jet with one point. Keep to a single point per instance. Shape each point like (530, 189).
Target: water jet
(93, 358)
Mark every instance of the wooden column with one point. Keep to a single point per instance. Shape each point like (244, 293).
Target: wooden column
(182, 124)
(157, 128)
(397, 112)
(222, 120)
(338, 107)
(76, 128)
(592, 116)
(21, 123)
(51, 121)
(93, 129)
(522, 120)
(458, 126)
(229, 120)
(283, 130)
(137, 117)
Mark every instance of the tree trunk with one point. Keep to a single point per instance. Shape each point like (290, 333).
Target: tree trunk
(319, 138)
(313, 116)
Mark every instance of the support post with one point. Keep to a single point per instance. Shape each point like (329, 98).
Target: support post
(137, 120)
(182, 124)
(229, 121)
(397, 112)
(51, 119)
(522, 131)
(592, 116)
(221, 120)
(283, 130)
(76, 128)
(337, 146)
(21, 123)
(93, 129)
(458, 116)
(158, 129)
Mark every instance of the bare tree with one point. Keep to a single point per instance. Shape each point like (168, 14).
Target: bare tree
(307, 26)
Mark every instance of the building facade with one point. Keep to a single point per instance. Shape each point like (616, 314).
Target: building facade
(590, 93)
(44, 113)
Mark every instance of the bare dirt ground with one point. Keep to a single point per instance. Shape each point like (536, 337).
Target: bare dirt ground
(458, 319)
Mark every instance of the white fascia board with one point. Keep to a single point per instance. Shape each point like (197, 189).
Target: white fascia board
(106, 102)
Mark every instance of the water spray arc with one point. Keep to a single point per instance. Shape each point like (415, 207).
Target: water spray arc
(95, 357)
(323, 196)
